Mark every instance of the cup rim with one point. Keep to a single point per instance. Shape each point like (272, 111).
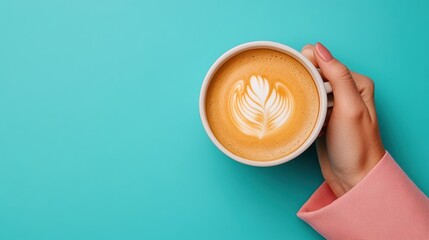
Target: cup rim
(323, 102)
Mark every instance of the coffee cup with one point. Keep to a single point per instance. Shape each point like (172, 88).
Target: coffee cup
(263, 103)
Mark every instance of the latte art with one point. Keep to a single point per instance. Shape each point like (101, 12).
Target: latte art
(262, 104)
(257, 108)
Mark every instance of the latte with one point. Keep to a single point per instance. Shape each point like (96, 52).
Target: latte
(262, 104)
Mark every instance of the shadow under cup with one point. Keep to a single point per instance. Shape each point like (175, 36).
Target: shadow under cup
(251, 90)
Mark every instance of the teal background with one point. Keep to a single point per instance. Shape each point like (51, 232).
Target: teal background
(100, 136)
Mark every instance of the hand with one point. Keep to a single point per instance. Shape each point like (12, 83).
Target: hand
(351, 145)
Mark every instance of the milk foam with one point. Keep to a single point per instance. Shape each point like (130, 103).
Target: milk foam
(262, 104)
(257, 108)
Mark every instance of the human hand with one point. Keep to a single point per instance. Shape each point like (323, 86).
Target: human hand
(350, 145)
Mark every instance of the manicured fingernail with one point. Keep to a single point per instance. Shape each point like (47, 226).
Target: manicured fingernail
(323, 52)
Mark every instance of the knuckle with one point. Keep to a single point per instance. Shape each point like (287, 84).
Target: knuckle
(355, 113)
(369, 84)
(342, 71)
(367, 88)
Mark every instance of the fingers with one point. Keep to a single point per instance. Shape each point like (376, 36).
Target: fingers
(322, 154)
(328, 116)
(325, 124)
(366, 89)
(349, 88)
(344, 87)
(365, 86)
(308, 52)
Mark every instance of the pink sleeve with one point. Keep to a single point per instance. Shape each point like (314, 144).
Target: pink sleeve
(384, 205)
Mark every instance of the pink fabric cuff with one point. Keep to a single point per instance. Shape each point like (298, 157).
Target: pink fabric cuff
(384, 205)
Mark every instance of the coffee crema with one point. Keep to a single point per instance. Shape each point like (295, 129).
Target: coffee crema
(262, 104)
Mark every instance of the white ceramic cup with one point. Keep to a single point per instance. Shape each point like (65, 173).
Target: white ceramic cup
(324, 88)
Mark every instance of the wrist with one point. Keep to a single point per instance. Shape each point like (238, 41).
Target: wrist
(347, 181)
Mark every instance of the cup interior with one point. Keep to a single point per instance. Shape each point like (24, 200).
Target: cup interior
(284, 49)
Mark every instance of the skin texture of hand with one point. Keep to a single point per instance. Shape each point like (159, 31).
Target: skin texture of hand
(350, 144)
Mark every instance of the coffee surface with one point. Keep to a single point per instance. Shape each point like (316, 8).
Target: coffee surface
(262, 104)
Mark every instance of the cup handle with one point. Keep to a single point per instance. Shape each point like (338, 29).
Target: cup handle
(328, 89)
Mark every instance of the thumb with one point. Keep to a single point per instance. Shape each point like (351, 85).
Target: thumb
(343, 85)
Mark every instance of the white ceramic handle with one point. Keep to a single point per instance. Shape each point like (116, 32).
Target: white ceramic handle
(328, 88)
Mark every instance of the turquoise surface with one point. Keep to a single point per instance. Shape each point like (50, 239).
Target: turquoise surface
(100, 136)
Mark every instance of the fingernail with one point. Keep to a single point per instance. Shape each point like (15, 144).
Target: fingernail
(323, 52)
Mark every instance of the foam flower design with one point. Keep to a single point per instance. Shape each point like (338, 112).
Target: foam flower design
(258, 108)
